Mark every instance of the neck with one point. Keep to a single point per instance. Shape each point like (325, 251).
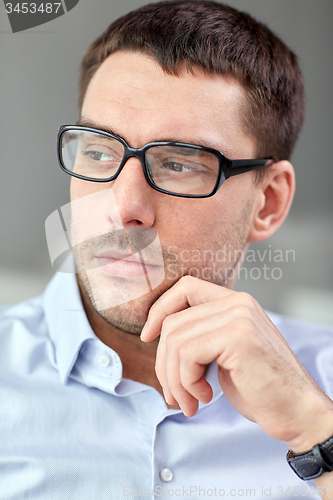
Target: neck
(138, 358)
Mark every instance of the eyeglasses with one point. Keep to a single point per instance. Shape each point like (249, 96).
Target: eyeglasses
(172, 168)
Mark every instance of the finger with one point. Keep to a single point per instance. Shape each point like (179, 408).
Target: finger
(188, 403)
(171, 341)
(196, 320)
(187, 292)
(194, 354)
(196, 317)
(187, 381)
(167, 371)
(167, 368)
(160, 369)
(194, 382)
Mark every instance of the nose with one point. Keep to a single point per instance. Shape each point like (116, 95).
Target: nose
(133, 196)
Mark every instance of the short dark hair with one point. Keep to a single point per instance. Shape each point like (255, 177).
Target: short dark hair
(221, 40)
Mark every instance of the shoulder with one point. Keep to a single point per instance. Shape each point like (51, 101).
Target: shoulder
(27, 315)
(23, 332)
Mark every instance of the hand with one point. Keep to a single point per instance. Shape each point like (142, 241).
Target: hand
(200, 322)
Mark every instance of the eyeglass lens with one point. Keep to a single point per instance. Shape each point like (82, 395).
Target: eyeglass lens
(176, 169)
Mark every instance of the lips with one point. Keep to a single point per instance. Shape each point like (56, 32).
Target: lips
(128, 266)
(117, 255)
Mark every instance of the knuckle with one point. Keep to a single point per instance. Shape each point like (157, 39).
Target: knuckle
(246, 299)
(167, 323)
(186, 350)
(171, 338)
(187, 281)
(244, 331)
(242, 311)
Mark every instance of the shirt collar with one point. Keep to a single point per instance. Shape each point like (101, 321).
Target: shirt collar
(73, 337)
(69, 327)
(66, 319)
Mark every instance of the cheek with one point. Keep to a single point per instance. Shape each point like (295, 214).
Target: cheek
(187, 223)
(89, 209)
(196, 222)
(235, 194)
(80, 188)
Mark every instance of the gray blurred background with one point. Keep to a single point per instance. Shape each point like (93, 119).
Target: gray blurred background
(38, 81)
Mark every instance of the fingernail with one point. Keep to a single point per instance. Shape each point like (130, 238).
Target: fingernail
(183, 411)
(144, 330)
(165, 397)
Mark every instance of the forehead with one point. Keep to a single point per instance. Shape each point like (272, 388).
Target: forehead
(131, 94)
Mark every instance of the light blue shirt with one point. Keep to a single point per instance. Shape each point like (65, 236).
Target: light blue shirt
(71, 428)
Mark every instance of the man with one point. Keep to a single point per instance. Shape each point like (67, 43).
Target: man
(172, 384)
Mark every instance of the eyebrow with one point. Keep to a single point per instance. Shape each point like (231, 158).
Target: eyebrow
(87, 122)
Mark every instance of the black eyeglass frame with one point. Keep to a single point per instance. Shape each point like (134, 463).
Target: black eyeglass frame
(227, 168)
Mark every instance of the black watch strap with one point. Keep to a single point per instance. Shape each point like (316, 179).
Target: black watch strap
(313, 463)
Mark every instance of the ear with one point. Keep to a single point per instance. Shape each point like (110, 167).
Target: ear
(275, 196)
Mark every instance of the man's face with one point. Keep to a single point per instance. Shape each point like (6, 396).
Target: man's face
(131, 95)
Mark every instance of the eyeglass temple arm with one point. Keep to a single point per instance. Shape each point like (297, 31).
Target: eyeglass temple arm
(242, 166)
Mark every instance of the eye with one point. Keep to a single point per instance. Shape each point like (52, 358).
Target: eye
(178, 167)
(98, 155)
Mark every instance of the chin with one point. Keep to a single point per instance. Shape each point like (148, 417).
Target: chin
(126, 315)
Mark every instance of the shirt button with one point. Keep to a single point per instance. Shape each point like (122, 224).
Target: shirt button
(103, 360)
(166, 474)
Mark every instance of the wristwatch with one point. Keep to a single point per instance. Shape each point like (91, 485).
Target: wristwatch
(313, 463)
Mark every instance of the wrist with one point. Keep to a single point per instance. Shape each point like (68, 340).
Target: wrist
(311, 449)
(314, 463)
(314, 426)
